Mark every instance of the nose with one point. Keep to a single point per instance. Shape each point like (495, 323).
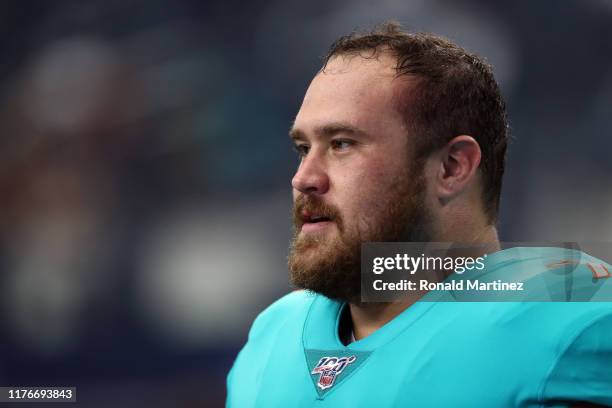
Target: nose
(311, 177)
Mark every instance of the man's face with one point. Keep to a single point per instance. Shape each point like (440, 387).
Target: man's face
(357, 180)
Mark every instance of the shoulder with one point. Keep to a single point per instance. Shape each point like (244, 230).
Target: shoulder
(272, 332)
(573, 275)
(290, 308)
(583, 370)
(554, 274)
(282, 320)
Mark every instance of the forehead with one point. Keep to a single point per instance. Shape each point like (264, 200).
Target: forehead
(354, 90)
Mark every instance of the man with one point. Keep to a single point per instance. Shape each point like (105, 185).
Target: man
(402, 138)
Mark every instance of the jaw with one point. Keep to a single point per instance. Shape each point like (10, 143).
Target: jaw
(309, 247)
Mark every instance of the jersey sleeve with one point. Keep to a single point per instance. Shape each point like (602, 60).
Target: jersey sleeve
(583, 371)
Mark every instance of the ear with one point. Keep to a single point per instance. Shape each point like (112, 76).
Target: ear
(459, 161)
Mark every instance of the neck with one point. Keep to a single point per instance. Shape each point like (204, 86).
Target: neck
(369, 317)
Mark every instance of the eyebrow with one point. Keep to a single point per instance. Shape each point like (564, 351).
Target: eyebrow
(327, 131)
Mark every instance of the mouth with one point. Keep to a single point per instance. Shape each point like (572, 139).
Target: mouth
(312, 222)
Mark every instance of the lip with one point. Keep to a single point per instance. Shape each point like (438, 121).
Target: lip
(316, 226)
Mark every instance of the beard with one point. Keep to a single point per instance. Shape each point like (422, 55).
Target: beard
(331, 266)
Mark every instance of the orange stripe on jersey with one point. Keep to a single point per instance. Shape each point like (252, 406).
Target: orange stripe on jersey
(595, 275)
(561, 263)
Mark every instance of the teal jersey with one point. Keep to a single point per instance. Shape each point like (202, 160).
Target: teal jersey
(440, 354)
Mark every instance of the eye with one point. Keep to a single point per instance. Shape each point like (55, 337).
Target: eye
(301, 149)
(341, 144)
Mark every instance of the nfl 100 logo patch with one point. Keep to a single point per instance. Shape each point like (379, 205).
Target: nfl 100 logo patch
(328, 368)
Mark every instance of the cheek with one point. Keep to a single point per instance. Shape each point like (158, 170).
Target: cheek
(363, 193)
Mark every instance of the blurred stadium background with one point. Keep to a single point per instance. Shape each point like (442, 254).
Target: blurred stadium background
(145, 169)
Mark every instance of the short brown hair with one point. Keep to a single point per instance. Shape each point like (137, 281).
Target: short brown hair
(455, 93)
